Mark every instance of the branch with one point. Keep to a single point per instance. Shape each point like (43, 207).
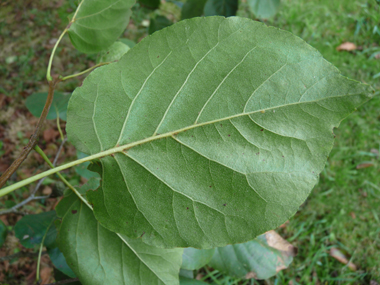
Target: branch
(32, 197)
(33, 139)
(20, 254)
(83, 72)
(64, 281)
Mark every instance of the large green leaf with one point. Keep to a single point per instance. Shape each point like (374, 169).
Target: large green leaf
(31, 229)
(260, 258)
(213, 145)
(36, 102)
(98, 24)
(264, 9)
(192, 8)
(99, 256)
(225, 8)
(193, 258)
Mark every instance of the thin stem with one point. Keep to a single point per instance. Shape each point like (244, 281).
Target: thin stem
(48, 75)
(58, 125)
(33, 139)
(40, 253)
(85, 71)
(40, 152)
(32, 197)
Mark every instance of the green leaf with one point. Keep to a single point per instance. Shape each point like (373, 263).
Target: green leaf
(264, 9)
(192, 8)
(188, 281)
(59, 261)
(128, 42)
(261, 258)
(193, 259)
(36, 102)
(3, 233)
(98, 24)
(99, 256)
(113, 53)
(153, 4)
(211, 145)
(158, 23)
(225, 8)
(31, 229)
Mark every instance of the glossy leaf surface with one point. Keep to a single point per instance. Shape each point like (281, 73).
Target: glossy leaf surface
(98, 24)
(260, 258)
(264, 9)
(212, 145)
(99, 256)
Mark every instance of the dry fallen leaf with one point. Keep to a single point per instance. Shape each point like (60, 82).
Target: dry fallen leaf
(338, 255)
(347, 46)
(364, 165)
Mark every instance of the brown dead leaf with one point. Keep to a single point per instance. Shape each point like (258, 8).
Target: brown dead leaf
(251, 275)
(347, 46)
(45, 275)
(352, 214)
(338, 255)
(50, 135)
(364, 165)
(276, 241)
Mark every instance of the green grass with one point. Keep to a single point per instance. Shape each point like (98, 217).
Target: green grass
(343, 210)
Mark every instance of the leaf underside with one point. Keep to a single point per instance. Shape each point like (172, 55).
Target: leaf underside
(99, 256)
(99, 23)
(226, 124)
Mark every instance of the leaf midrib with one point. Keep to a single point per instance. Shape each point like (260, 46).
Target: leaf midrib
(176, 132)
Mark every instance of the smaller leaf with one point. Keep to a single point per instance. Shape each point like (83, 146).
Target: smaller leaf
(153, 4)
(264, 9)
(59, 261)
(31, 229)
(260, 258)
(98, 24)
(113, 53)
(36, 102)
(225, 8)
(158, 23)
(193, 259)
(193, 8)
(3, 233)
